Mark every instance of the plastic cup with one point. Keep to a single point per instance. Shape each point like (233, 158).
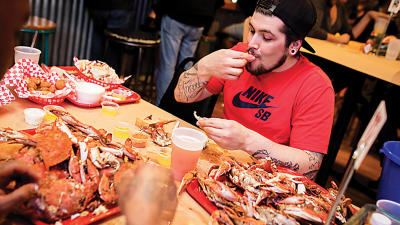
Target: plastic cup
(380, 25)
(187, 144)
(119, 94)
(121, 130)
(109, 108)
(34, 116)
(393, 49)
(25, 52)
(50, 117)
(389, 206)
(164, 157)
(140, 139)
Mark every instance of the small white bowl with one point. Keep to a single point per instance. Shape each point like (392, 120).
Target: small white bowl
(34, 116)
(89, 93)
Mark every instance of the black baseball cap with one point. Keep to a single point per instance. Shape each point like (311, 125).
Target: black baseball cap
(298, 15)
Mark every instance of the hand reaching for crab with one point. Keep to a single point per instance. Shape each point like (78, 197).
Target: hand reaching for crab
(228, 134)
(18, 183)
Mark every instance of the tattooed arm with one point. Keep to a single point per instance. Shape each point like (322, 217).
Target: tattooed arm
(225, 63)
(311, 161)
(226, 132)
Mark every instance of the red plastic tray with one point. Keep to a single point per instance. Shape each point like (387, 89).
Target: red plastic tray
(194, 190)
(81, 220)
(133, 97)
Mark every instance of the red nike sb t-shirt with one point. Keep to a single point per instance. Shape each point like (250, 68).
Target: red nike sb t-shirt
(293, 107)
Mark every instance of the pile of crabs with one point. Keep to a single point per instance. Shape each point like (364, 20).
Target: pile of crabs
(81, 168)
(261, 193)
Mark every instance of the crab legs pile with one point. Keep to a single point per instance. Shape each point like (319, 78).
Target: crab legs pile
(263, 194)
(81, 167)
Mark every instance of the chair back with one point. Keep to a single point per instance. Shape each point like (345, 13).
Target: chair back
(185, 111)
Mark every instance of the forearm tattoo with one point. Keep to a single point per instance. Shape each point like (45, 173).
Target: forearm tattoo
(263, 153)
(314, 158)
(189, 85)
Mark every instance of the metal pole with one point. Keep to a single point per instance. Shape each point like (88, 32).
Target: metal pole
(343, 185)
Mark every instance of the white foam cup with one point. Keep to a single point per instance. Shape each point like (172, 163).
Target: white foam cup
(25, 52)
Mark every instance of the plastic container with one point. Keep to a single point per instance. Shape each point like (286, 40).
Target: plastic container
(25, 52)
(389, 183)
(50, 117)
(89, 93)
(34, 116)
(109, 108)
(140, 139)
(122, 130)
(364, 216)
(389, 206)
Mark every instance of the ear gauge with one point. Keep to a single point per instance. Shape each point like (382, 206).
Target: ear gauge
(293, 52)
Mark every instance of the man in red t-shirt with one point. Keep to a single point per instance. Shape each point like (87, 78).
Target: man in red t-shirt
(277, 104)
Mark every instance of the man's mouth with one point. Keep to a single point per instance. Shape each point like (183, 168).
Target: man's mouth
(253, 52)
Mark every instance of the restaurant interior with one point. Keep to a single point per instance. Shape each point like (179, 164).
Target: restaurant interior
(64, 30)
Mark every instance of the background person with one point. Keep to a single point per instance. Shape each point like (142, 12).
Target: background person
(182, 25)
(333, 23)
(276, 103)
(13, 14)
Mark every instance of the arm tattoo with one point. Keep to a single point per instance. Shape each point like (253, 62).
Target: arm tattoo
(315, 158)
(263, 153)
(190, 85)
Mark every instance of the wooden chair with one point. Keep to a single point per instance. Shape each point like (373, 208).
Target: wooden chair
(44, 27)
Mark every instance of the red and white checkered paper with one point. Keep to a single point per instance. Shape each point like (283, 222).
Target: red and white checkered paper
(17, 76)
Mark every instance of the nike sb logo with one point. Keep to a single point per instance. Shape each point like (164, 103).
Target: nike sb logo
(255, 99)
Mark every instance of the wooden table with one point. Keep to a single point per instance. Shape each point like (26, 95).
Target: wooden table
(360, 66)
(188, 211)
(351, 56)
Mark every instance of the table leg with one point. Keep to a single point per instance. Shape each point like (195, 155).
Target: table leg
(349, 103)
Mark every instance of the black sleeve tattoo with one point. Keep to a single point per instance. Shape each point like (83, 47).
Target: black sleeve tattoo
(315, 159)
(190, 86)
(263, 153)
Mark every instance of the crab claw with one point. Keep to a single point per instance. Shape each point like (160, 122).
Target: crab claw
(189, 176)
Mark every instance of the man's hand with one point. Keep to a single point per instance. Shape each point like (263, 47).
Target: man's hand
(228, 134)
(25, 185)
(224, 63)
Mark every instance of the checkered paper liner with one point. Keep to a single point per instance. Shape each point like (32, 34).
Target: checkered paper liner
(84, 66)
(17, 76)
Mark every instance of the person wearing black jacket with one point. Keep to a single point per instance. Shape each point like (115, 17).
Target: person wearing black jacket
(182, 25)
(108, 14)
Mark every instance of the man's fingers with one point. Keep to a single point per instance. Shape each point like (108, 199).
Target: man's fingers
(242, 55)
(18, 196)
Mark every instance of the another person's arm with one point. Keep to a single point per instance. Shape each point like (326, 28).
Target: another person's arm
(225, 64)
(365, 20)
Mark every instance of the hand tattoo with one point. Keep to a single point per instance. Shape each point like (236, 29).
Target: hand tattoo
(263, 153)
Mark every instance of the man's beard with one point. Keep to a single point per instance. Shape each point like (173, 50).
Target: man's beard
(262, 70)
